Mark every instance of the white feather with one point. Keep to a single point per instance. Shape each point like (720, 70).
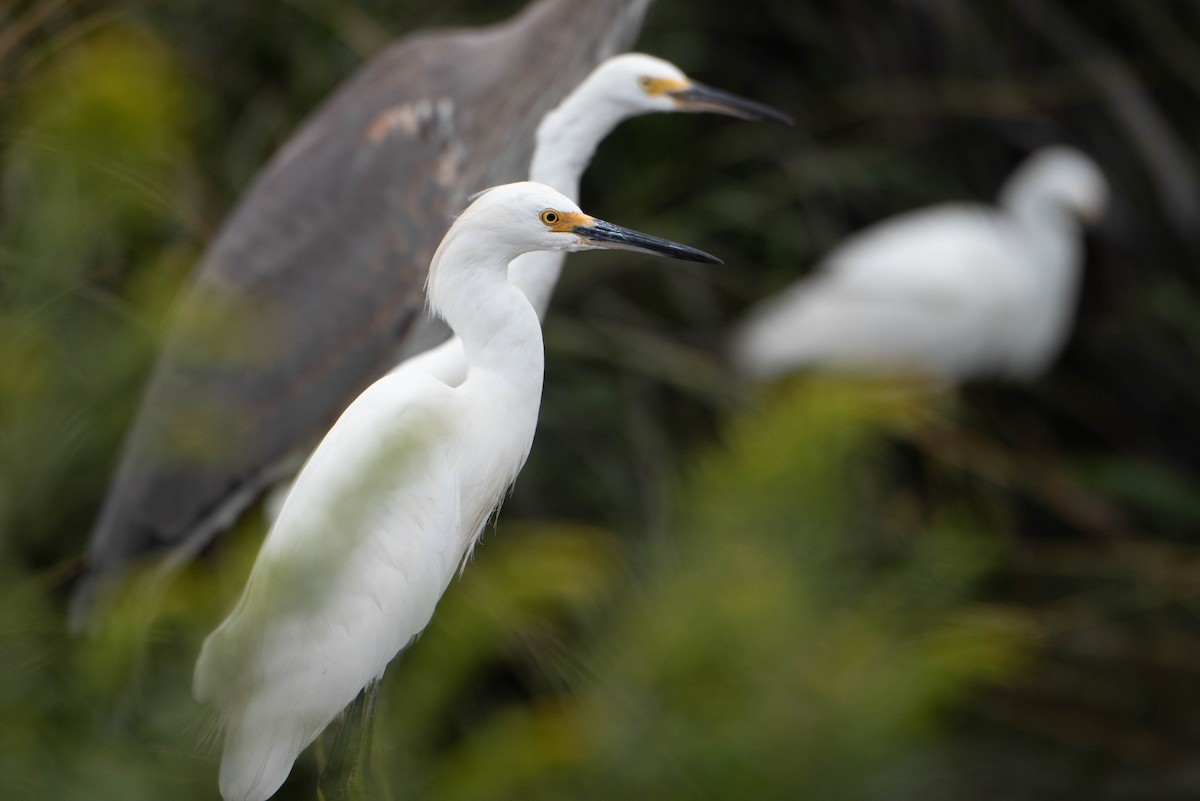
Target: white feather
(389, 505)
(382, 515)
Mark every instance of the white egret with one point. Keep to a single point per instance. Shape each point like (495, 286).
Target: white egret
(621, 87)
(392, 501)
(958, 290)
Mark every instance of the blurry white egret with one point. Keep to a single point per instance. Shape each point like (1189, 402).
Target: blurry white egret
(393, 499)
(958, 290)
(621, 87)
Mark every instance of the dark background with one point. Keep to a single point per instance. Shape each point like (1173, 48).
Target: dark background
(699, 589)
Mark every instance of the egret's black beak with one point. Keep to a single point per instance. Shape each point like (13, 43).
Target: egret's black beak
(698, 97)
(606, 236)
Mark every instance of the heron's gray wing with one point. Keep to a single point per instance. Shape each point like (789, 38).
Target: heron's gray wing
(314, 285)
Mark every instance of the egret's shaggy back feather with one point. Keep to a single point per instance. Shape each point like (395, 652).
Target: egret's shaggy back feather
(273, 702)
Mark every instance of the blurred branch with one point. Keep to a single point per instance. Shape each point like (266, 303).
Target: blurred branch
(15, 31)
(1039, 477)
(1173, 571)
(1152, 136)
(984, 99)
(1177, 50)
(1084, 729)
(644, 352)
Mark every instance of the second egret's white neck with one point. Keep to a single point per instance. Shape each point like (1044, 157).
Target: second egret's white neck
(1030, 196)
(1052, 243)
(1027, 197)
(500, 332)
(566, 141)
(569, 134)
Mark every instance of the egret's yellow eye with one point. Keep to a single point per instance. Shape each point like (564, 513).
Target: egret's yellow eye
(551, 217)
(646, 82)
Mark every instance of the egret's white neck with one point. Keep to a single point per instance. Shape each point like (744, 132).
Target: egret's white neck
(500, 332)
(1052, 239)
(1030, 198)
(566, 141)
(569, 134)
(1053, 230)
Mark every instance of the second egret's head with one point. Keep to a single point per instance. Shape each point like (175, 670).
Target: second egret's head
(1063, 176)
(521, 217)
(642, 84)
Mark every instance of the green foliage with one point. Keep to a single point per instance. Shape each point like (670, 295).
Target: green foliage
(100, 719)
(90, 256)
(91, 189)
(95, 164)
(777, 650)
(777, 646)
(859, 592)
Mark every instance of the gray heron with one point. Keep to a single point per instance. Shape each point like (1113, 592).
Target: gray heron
(313, 286)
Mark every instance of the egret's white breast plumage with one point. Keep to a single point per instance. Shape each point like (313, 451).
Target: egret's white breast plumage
(379, 508)
(959, 290)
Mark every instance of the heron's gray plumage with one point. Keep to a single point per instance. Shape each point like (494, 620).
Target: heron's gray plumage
(313, 287)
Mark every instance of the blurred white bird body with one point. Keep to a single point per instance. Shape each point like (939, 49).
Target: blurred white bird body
(621, 87)
(393, 499)
(959, 290)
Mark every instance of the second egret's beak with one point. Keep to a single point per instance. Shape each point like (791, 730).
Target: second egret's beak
(601, 235)
(698, 97)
